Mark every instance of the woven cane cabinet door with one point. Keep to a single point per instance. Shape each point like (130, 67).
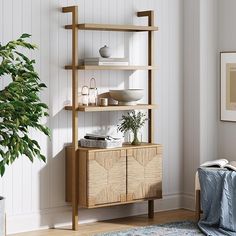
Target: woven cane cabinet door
(105, 181)
(144, 173)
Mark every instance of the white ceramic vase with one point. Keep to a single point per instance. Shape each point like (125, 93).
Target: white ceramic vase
(105, 52)
(2, 216)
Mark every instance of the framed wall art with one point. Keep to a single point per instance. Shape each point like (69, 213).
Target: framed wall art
(228, 86)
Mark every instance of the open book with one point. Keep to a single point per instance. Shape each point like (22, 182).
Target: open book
(220, 163)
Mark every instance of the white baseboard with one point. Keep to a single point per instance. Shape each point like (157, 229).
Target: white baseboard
(61, 216)
(188, 202)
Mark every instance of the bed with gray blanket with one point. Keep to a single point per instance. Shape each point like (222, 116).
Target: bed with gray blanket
(218, 201)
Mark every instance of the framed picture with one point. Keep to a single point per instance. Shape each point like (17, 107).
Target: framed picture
(228, 86)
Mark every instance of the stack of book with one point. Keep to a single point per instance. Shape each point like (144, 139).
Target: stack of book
(100, 61)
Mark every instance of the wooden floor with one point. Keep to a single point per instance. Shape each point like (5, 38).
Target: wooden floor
(117, 224)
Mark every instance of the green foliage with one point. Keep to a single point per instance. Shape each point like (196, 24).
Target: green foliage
(132, 122)
(20, 106)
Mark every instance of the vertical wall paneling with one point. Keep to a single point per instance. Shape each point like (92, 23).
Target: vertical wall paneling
(55, 15)
(158, 82)
(96, 16)
(26, 190)
(82, 79)
(104, 80)
(17, 167)
(7, 35)
(88, 46)
(209, 82)
(44, 50)
(36, 167)
(112, 41)
(200, 89)
(191, 93)
(164, 109)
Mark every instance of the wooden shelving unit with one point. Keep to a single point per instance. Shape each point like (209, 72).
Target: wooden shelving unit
(106, 27)
(124, 146)
(78, 157)
(88, 67)
(112, 108)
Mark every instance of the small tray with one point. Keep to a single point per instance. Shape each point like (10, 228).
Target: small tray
(100, 143)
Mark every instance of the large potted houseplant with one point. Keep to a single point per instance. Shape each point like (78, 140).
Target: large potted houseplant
(20, 108)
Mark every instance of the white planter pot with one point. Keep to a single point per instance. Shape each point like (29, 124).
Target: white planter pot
(2, 216)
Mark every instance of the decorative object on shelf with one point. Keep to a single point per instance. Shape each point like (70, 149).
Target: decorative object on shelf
(79, 98)
(103, 102)
(101, 61)
(105, 51)
(132, 122)
(128, 137)
(127, 96)
(85, 95)
(131, 137)
(228, 86)
(108, 96)
(21, 109)
(93, 93)
(100, 141)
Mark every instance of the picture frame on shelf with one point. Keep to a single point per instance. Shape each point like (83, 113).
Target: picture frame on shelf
(228, 86)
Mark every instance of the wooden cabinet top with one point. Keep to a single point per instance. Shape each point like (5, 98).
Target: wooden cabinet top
(125, 146)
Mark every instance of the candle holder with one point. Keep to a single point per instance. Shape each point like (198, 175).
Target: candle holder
(84, 96)
(93, 93)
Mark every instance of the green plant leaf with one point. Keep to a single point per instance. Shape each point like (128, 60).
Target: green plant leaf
(23, 36)
(20, 106)
(2, 168)
(132, 122)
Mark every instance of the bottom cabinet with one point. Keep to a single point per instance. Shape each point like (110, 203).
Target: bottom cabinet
(144, 173)
(112, 177)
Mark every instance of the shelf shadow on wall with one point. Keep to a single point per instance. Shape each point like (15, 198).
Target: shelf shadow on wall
(53, 208)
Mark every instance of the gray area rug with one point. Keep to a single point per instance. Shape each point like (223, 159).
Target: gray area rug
(171, 229)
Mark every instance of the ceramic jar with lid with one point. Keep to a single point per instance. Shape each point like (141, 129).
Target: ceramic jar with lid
(105, 52)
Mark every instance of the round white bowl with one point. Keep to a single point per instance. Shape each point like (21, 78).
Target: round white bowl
(127, 96)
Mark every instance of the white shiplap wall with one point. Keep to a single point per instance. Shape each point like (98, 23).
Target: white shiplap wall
(191, 96)
(35, 193)
(200, 89)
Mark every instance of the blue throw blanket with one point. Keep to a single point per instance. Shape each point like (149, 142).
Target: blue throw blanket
(218, 201)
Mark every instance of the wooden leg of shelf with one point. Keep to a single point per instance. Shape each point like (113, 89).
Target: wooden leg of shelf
(197, 206)
(74, 116)
(74, 192)
(75, 225)
(151, 209)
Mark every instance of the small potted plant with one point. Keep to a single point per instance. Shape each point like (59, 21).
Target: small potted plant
(133, 122)
(20, 109)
